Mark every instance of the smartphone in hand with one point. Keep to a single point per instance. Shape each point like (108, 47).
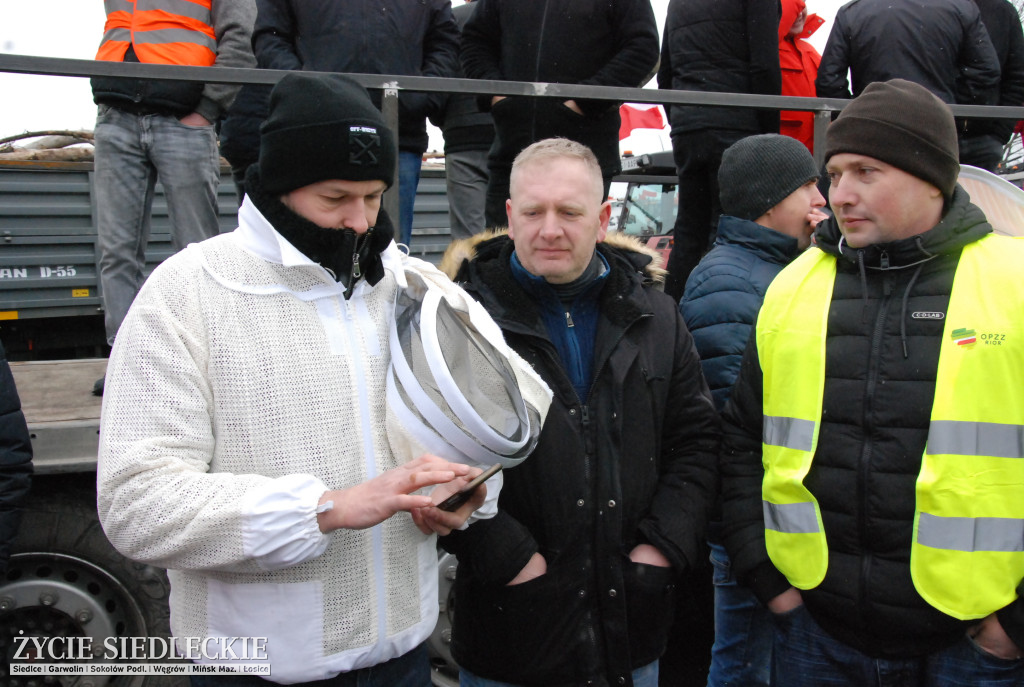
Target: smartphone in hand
(456, 500)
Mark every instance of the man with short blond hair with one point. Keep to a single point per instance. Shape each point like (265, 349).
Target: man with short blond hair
(872, 465)
(578, 568)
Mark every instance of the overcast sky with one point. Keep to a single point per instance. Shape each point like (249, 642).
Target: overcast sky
(72, 28)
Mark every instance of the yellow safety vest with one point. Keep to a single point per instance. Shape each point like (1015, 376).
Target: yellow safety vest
(162, 32)
(967, 554)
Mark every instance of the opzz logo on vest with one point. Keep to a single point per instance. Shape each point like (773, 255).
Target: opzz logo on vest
(992, 339)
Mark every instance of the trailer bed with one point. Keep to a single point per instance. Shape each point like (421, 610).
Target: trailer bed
(63, 416)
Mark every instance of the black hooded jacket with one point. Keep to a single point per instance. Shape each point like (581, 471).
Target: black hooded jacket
(590, 42)
(388, 37)
(721, 46)
(940, 44)
(880, 371)
(633, 464)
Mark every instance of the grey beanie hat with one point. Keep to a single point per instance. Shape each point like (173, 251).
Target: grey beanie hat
(759, 172)
(320, 127)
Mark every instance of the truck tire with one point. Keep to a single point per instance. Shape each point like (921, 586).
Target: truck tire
(66, 580)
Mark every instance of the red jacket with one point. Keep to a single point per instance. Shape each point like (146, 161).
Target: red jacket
(799, 63)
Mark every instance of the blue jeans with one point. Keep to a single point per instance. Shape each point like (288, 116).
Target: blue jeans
(804, 655)
(742, 651)
(409, 670)
(409, 165)
(646, 676)
(131, 153)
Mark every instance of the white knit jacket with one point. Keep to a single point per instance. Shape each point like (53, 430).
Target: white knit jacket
(242, 385)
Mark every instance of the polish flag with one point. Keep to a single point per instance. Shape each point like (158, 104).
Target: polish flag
(639, 117)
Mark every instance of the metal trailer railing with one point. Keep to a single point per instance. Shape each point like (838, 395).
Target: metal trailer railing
(26, 296)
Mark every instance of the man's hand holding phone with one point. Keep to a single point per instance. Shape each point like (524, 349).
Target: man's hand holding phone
(460, 498)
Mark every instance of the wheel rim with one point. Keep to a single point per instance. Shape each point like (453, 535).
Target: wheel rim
(445, 670)
(49, 595)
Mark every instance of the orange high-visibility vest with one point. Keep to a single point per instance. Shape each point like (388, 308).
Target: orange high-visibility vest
(161, 32)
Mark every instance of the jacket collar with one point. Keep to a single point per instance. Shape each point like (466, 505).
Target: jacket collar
(760, 240)
(963, 223)
(258, 238)
(484, 268)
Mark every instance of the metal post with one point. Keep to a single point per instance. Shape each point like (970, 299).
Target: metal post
(822, 118)
(389, 108)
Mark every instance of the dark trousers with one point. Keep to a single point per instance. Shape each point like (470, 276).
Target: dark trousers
(697, 155)
(981, 151)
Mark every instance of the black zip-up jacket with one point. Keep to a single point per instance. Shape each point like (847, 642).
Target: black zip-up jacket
(940, 44)
(590, 42)
(15, 460)
(1004, 29)
(880, 370)
(632, 465)
(721, 46)
(410, 37)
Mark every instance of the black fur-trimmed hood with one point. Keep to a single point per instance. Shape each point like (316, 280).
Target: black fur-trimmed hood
(481, 264)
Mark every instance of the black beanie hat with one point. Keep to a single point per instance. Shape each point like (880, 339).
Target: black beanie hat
(759, 172)
(320, 127)
(903, 124)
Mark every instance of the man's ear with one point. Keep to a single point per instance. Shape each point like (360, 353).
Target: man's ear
(603, 217)
(508, 216)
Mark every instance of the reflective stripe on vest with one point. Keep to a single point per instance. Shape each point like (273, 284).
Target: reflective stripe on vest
(161, 31)
(967, 556)
(791, 335)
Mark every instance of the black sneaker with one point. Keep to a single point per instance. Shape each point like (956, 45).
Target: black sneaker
(97, 387)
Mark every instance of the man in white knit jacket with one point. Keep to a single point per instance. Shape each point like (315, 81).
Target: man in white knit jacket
(243, 437)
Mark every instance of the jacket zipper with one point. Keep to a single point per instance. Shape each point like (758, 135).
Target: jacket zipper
(536, 69)
(869, 428)
(357, 271)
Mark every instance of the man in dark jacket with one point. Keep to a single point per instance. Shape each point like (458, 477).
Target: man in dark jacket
(882, 393)
(982, 140)
(573, 581)
(360, 37)
(15, 460)
(590, 42)
(940, 44)
(721, 46)
(770, 206)
(148, 129)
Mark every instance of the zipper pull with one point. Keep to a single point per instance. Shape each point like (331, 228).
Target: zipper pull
(356, 271)
(568, 320)
(886, 276)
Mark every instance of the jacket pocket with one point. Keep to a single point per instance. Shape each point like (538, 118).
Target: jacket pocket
(530, 630)
(650, 608)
